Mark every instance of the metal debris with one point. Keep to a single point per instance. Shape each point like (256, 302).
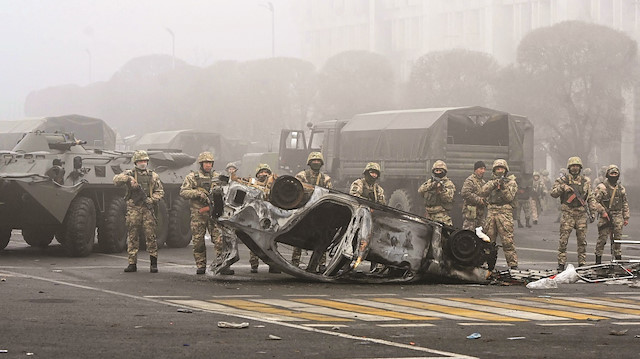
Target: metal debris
(232, 325)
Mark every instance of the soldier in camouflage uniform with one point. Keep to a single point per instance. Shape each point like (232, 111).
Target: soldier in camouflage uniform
(538, 193)
(500, 192)
(438, 194)
(231, 169)
(264, 178)
(366, 187)
(574, 214)
(313, 176)
(197, 186)
(546, 182)
(141, 216)
(601, 176)
(614, 212)
(523, 204)
(474, 210)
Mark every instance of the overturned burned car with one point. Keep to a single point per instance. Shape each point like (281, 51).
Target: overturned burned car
(402, 247)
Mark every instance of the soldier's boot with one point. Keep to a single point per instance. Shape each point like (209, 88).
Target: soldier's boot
(535, 221)
(201, 270)
(598, 259)
(520, 224)
(154, 264)
(560, 267)
(254, 268)
(618, 257)
(528, 224)
(131, 268)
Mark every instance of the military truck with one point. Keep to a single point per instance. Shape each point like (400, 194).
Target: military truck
(51, 185)
(407, 143)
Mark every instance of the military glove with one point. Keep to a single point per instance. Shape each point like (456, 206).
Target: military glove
(148, 200)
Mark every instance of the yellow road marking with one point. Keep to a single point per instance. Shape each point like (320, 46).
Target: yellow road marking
(601, 307)
(450, 310)
(264, 308)
(364, 309)
(618, 300)
(554, 312)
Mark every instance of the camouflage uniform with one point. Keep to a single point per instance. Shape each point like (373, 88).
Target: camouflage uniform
(601, 176)
(500, 194)
(195, 187)
(139, 216)
(438, 195)
(617, 210)
(574, 215)
(523, 203)
(265, 185)
(546, 182)
(475, 206)
(370, 191)
(315, 178)
(538, 193)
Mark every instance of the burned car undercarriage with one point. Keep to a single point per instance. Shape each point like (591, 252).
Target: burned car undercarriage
(402, 247)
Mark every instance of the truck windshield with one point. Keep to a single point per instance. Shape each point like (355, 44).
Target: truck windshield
(317, 139)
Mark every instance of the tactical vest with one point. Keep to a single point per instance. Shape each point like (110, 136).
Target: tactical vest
(577, 185)
(615, 203)
(145, 180)
(311, 178)
(369, 192)
(204, 182)
(495, 196)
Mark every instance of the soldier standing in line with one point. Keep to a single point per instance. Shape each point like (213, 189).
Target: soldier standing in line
(313, 176)
(614, 212)
(601, 176)
(574, 191)
(523, 204)
(475, 206)
(231, 168)
(500, 192)
(538, 193)
(141, 208)
(438, 194)
(546, 182)
(197, 187)
(366, 187)
(56, 172)
(264, 178)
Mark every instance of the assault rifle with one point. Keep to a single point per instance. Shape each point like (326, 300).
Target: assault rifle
(608, 223)
(437, 181)
(214, 203)
(139, 197)
(575, 196)
(501, 182)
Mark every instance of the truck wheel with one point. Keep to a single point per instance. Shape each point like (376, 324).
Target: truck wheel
(38, 236)
(112, 232)
(79, 227)
(179, 224)
(402, 200)
(5, 236)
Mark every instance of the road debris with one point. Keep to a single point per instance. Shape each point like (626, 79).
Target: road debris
(184, 310)
(516, 338)
(274, 337)
(618, 332)
(232, 325)
(474, 336)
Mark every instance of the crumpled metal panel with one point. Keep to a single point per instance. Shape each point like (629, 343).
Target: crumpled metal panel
(352, 231)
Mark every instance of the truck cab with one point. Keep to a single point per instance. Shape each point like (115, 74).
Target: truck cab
(322, 137)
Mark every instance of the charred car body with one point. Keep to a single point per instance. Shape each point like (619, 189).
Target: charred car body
(350, 230)
(51, 185)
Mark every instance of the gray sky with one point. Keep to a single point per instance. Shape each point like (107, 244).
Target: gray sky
(52, 42)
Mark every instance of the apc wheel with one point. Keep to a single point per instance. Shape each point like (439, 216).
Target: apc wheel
(5, 236)
(112, 232)
(179, 224)
(402, 200)
(79, 227)
(38, 236)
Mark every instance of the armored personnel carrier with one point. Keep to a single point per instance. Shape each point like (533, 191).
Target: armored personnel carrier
(51, 185)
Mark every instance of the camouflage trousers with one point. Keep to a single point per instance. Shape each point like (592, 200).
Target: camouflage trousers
(200, 223)
(441, 216)
(613, 230)
(478, 219)
(140, 222)
(296, 254)
(524, 205)
(534, 209)
(573, 218)
(500, 222)
(254, 260)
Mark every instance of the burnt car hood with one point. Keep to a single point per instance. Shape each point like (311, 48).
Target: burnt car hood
(398, 246)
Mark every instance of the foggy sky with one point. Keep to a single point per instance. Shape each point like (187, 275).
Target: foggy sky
(54, 42)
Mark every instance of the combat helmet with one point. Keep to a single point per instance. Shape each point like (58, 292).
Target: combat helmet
(586, 171)
(500, 163)
(231, 164)
(612, 168)
(263, 166)
(140, 155)
(575, 160)
(205, 157)
(315, 156)
(372, 166)
(603, 171)
(536, 173)
(439, 165)
(545, 172)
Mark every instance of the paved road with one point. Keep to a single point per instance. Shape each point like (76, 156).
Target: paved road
(59, 307)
